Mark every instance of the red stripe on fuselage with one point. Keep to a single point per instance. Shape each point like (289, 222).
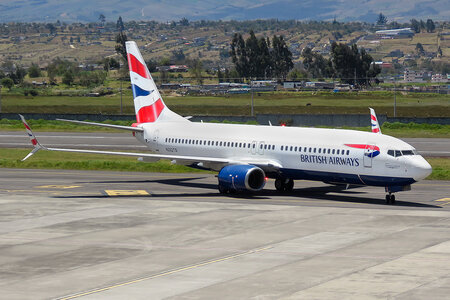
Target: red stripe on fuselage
(373, 117)
(148, 114)
(136, 66)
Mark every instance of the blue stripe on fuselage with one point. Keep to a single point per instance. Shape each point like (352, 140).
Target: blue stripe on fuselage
(346, 178)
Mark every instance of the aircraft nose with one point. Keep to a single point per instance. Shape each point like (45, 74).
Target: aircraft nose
(421, 168)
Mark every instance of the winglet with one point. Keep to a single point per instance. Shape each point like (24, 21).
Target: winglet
(374, 121)
(37, 146)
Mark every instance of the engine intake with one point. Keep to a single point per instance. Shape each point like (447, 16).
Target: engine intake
(241, 178)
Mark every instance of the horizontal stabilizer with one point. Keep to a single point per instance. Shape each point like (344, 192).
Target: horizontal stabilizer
(120, 127)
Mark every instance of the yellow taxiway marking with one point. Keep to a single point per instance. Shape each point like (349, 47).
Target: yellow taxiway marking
(166, 273)
(58, 186)
(443, 200)
(126, 192)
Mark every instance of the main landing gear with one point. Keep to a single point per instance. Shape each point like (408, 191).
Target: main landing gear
(284, 184)
(390, 199)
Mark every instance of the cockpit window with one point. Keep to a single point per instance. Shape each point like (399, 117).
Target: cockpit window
(407, 152)
(398, 153)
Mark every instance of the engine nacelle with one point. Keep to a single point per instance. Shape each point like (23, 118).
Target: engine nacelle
(241, 178)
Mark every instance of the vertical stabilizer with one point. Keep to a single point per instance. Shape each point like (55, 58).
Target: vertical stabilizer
(148, 103)
(374, 121)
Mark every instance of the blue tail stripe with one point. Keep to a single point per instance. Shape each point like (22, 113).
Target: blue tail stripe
(138, 92)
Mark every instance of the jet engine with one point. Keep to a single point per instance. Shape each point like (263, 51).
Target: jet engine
(241, 178)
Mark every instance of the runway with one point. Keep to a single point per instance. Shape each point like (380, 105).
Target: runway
(115, 235)
(125, 141)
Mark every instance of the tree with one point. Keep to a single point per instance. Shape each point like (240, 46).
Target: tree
(7, 83)
(419, 49)
(350, 63)
(381, 20)
(430, 25)
(239, 55)
(121, 49)
(34, 71)
(102, 19)
(184, 22)
(415, 25)
(316, 65)
(119, 24)
(196, 68)
(68, 77)
(281, 57)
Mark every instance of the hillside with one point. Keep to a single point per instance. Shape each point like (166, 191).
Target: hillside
(159, 10)
(26, 43)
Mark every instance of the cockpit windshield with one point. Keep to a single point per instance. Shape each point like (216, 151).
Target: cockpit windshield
(398, 153)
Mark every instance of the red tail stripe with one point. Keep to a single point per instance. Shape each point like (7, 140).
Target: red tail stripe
(375, 130)
(137, 67)
(34, 142)
(373, 117)
(148, 114)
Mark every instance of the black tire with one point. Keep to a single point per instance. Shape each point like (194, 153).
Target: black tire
(279, 184)
(388, 199)
(289, 186)
(392, 199)
(222, 189)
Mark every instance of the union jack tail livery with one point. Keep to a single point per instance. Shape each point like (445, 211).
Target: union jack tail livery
(374, 121)
(148, 103)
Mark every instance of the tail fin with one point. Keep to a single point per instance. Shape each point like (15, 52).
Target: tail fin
(148, 103)
(374, 121)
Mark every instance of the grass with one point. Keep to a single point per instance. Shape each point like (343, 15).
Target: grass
(408, 104)
(11, 158)
(441, 168)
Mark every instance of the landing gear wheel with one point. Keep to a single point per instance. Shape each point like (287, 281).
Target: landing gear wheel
(222, 189)
(284, 184)
(390, 199)
(279, 184)
(289, 186)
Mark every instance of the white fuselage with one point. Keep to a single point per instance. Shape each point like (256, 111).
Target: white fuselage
(330, 155)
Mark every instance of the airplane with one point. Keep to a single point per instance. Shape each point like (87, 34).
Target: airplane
(245, 156)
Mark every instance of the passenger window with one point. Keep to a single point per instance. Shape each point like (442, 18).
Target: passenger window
(240, 145)
(310, 149)
(282, 148)
(320, 150)
(261, 146)
(248, 145)
(299, 149)
(337, 151)
(291, 148)
(314, 150)
(295, 149)
(332, 151)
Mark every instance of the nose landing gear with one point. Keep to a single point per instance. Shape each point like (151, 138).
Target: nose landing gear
(390, 199)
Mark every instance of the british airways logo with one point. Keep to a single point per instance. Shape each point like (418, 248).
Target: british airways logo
(369, 150)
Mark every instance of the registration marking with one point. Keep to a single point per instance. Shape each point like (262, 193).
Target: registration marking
(113, 193)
